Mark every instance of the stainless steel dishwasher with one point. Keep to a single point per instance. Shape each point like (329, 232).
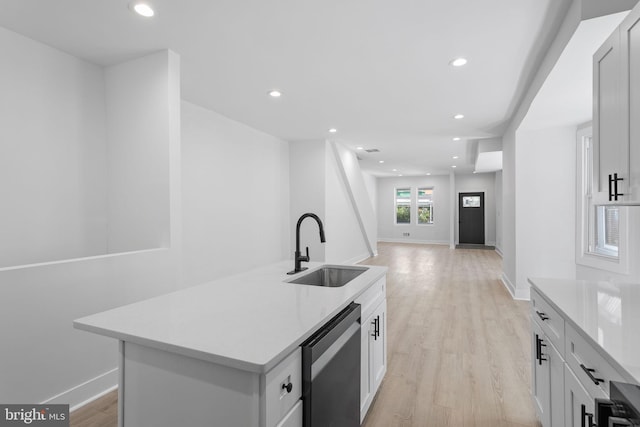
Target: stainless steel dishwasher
(331, 372)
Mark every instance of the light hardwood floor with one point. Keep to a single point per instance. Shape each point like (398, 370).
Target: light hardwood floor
(458, 345)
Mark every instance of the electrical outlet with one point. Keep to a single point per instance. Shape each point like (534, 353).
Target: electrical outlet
(405, 234)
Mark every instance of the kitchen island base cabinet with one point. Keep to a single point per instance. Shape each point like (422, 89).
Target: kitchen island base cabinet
(579, 404)
(164, 389)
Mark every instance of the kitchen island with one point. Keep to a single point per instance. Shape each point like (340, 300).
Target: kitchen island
(222, 353)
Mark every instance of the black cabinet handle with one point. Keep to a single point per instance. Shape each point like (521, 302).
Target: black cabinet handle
(542, 316)
(587, 415)
(376, 328)
(613, 187)
(589, 373)
(539, 346)
(287, 387)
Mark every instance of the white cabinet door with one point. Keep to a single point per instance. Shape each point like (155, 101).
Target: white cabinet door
(611, 150)
(630, 97)
(579, 405)
(541, 378)
(366, 385)
(378, 352)
(373, 341)
(293, 418)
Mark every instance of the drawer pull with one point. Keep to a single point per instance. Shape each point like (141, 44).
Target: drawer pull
(542, 316)
(287, 387)
(589, 373)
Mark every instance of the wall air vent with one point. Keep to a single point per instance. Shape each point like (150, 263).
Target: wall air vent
(372, 150)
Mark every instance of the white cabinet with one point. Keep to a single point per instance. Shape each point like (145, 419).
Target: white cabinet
(568, 371)
(547, 380)
(616, 129)
(579, 405)
(373, 343)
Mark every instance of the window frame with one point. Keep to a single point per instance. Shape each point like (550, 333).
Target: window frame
(431, 204)
(586, 215)
(395, 205)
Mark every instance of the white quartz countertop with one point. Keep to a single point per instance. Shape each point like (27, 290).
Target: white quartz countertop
(249, 321)
(607, 314)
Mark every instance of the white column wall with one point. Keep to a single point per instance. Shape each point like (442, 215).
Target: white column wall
(235, 196)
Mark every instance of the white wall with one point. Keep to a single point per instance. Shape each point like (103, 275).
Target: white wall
(437, 233)
(479, 182)
(138, 155)
(43, 358)
(235, 196)
(545, 207)
(53, 165)
(324, 181)
(499, 216)
(371, 182)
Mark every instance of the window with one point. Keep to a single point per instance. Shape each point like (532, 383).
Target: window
(403, 205)
(600, 228)
(425, 205)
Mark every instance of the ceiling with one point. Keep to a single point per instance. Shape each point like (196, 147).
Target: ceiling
(377, 71)
(566, 97)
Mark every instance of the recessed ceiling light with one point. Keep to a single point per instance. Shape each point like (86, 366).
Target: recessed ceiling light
(143, 9)
(275, 94)
(458, 62)
(453, 166)
(455, 157)
(458, 116)
(399, 174)
(428, 173)
(359, 148)
(394, 170)
(380, 161)
(457, 138)
(333, 130)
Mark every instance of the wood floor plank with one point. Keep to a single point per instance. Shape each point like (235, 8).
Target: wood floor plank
(458, 345)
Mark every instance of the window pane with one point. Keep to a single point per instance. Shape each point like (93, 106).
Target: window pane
(425, 214)
(403, 205)
(425, 205)
(403, 214)
(607, 230)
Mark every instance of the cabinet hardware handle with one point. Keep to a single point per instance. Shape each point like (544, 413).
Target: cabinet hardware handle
(586, 414)
(610, 187)
(287, 387)
(589, 373)
(378, 325)
(613, 187)
(375, 329)
(539, 346)
(542, 316)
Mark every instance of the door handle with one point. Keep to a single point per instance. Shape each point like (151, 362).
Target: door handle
(375, 328)
(542, 316)
(539, 346)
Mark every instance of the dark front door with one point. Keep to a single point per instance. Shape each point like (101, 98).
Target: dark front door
(471, 218)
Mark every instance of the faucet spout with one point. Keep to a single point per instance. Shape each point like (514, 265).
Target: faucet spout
(298, 257)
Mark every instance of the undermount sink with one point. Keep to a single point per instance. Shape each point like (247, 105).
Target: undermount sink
(332, 276)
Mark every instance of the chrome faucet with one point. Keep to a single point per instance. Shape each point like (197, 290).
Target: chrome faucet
(299, 258)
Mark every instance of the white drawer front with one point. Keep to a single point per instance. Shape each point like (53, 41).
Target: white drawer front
(293, 418)
(372, 297)
(283, 388)
(549, 320)
(591, 369)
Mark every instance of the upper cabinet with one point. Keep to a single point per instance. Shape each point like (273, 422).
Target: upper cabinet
(616, 115)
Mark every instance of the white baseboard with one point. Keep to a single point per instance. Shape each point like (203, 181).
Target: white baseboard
(516, 294)
(421, 242)
(499, 252)
(88, 391)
